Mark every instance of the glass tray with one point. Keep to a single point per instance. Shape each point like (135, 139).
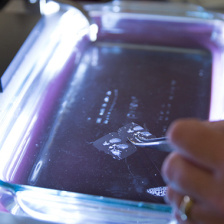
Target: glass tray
(72, 102)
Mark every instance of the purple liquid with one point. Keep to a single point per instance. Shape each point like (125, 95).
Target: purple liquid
(119, 80)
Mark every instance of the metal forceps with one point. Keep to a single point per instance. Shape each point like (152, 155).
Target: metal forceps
(158, 143)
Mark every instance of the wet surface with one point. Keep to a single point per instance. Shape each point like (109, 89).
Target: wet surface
(117, 144)
(116, 90)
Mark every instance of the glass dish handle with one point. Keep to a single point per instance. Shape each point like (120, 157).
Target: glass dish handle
(66, 207)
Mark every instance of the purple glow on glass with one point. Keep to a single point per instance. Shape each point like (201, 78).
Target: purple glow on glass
(174, 36)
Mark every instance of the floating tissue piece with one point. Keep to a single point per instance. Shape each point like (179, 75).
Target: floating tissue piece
(117, 145)
(133, 130)
(157, 191)
(113, 145)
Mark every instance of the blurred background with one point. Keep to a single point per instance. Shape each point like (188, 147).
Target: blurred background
(31, 5)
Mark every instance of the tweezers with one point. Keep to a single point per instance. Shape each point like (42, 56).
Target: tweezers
(160, 143)
(149, 142)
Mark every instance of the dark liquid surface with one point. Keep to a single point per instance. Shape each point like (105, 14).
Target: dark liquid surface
(113, 86)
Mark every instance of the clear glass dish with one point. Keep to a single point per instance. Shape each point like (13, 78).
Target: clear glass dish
(70, 100)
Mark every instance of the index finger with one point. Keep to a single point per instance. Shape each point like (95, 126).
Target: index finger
(216, 125)
(201, 143)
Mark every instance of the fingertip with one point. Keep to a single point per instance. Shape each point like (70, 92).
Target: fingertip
(193, 139)
(178, 129)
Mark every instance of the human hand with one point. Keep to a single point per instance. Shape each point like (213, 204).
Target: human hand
(196, 169)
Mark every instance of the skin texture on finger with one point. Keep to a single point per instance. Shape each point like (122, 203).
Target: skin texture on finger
(215, 125)
(199, 214)
(200, 142)
(196, 168)
(173, 198)
(186, 178)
